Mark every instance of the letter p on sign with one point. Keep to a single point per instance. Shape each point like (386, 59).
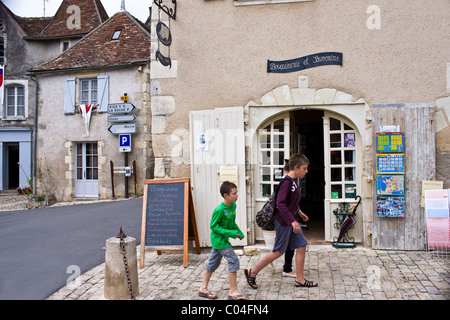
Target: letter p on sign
(125, 142)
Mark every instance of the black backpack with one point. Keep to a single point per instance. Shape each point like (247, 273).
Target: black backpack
(264, 217)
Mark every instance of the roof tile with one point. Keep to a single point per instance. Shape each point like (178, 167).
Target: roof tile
(97, 50)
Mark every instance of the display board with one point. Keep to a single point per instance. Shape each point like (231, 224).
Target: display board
(393, 207)
(391, 163)
(168, 217)
(391, 185)
(390, 180)
(390, 142)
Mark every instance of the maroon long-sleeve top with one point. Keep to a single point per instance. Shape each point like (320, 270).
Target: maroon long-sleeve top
(288, 202)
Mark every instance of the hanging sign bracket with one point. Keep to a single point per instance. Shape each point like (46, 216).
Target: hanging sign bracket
(171, 12)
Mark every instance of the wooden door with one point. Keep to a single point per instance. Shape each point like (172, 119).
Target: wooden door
(217, 139)
(416, 121)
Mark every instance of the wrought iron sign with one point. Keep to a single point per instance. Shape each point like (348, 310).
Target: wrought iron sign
(313, 60)
(171, 12)
(165, 61)
(163, 32)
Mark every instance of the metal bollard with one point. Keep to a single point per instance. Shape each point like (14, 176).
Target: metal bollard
(121, 284)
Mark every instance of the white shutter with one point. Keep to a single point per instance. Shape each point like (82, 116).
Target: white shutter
(224, 129)
(69, 96)
(103, 93)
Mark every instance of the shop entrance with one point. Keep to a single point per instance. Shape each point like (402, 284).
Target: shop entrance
(331, 143)
(307, 138)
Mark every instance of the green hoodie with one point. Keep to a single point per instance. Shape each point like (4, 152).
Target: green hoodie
(223, 226)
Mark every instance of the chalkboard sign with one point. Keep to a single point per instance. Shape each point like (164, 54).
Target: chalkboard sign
(168, 217)
(165, 215)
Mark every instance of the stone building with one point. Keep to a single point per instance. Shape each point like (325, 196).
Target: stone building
(251, 82)
(25, 43)
(109, 63)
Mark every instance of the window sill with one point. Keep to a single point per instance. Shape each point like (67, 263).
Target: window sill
(238, 3)
(14, 118)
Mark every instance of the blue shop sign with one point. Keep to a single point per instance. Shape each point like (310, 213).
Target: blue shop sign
(313, 60)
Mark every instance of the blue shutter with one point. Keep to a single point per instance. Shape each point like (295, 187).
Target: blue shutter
(69, 96)
(103, 93)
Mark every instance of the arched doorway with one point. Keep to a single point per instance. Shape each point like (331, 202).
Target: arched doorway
(333, 145)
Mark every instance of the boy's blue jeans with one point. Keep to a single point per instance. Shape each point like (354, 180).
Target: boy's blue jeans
(229, 255)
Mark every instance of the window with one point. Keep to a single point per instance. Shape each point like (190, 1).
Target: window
(91, 91)
(273, 149)
(65, 46)
(116, 34)
(87, 161)
(342, 160)
(15, 101)
(88, 91)
(2, 51)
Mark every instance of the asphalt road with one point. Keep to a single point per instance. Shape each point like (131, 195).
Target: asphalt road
(37, 246)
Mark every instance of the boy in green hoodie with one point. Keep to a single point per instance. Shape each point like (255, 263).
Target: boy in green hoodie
(223, 226)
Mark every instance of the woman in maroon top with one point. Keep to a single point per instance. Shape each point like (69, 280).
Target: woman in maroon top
(288, 230)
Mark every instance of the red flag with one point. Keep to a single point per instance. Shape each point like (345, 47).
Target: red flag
(1, 76)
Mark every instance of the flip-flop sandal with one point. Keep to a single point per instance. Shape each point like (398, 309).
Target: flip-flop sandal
(237, 297)
(250, 280)
(307, 284)
(207, 295)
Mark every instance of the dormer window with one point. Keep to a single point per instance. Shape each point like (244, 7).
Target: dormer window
(65, 45)
(116, 34)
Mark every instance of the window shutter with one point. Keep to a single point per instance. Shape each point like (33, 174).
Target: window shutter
(69, 96)
(226, 146)
(103, 93)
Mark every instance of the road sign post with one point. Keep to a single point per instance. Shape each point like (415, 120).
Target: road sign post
(122, 118)
(122, 128)
(114, 108)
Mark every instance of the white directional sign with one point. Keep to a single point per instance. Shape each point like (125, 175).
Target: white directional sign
(114, 108)
(123, 118)
(122, 128)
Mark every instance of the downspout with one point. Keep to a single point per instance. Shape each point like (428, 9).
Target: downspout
(35, 133)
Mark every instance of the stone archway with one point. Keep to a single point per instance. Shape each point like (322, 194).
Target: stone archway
(285, 99)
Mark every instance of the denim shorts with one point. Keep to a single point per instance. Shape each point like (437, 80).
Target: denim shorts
(285, 236)
(216, 256)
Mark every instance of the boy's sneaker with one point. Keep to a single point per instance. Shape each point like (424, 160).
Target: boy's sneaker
(289, 274)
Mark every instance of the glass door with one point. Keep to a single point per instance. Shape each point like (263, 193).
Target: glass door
(273, 149)
(86, 162)
(342, 167)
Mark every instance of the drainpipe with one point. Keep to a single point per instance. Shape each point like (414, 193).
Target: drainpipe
(35, 133)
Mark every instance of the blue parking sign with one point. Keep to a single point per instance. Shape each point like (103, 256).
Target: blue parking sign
(125, 140)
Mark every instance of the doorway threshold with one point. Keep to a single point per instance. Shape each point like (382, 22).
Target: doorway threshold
(318, 242)
(84, 199)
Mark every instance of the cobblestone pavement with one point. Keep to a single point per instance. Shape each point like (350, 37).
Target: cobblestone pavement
(342, 274)
(11, 200)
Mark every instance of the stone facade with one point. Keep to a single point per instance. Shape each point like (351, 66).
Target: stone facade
(225, 65)
(26, 43)
(116, 73)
